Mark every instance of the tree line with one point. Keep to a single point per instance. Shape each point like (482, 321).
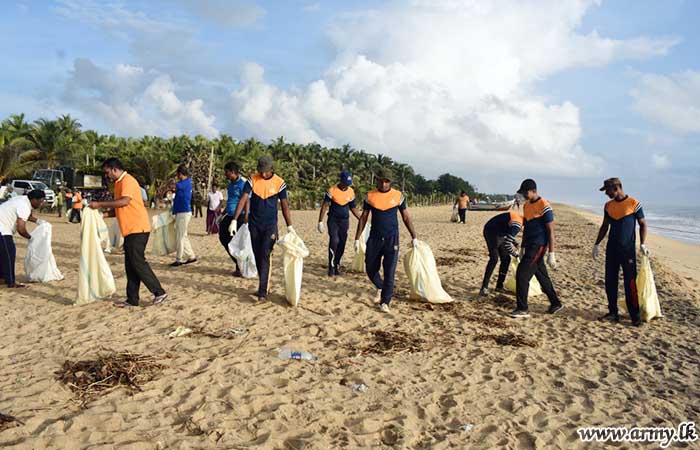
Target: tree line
(308, 169)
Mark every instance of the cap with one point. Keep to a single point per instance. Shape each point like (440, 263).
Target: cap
(264, 163)
(611, 182)
(384, 174)
(346, 178)
(527, 185)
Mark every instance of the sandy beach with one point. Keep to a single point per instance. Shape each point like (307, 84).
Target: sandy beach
(461, 390)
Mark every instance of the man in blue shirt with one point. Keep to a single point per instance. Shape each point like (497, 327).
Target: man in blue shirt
(621, 216)
(236, 185)
(384, 204)
(182, 209)
(340, 201)
(538, 240)
(261, 194)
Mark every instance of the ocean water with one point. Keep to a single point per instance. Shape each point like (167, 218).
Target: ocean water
(676, 222)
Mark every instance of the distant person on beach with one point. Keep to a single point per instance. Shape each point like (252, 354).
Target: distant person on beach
(462, 205)
(14, 215)
(621, 216)
(339, 200)
(383, 244)
(234, 191)
(263, 191)
(499, 233)
(76, 207)
(60, 200)
(135, 226)
(538, 240)
(214, 200)
(182, 208)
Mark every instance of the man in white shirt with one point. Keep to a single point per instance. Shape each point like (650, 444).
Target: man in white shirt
(214, 197)
(14, 215)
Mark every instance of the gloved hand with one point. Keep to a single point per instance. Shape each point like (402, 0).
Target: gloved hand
(321, 228)
(522, 252)
(644, 249)
(290, 229)
(233, 227)
(594, 252)
(552, 261)
(414, 242)
(40, 222)
(357, 246)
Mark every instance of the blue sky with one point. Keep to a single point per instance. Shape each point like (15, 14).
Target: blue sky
(568, 91)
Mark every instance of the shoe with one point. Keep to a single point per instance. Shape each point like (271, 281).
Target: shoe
(176, 264)
(190, 261)
(124, 305)
(637, 322)
(237, 273)
(610, 317)
(553, 309)
(501, 290)
(519, 314)
(261, 298)
(158, 299)
(483, 292)
(336, 271)
(378, 297)
(383, 307)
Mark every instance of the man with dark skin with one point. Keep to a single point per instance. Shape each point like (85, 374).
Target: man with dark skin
(383, 243)
(14, 215)
(236, 186)
(621, 215)
(340, 199)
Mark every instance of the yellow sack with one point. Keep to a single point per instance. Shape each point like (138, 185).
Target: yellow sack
(535, 288)
(293, 253)
(419, 264)
(646, 289)
(358, 261)
(163, 236)
(95, 280)
(455, 216)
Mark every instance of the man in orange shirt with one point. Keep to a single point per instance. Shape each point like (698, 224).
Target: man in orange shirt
(135, 226)
(77, 207)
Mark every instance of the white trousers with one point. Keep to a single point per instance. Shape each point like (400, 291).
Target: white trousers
(184, 248)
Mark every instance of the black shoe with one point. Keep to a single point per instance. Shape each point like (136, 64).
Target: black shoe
(553, 309)
(331, 272)
(519, 314)
(190, 261)
(610, 317)
(176, 264)
(336, 271)
(237, 273)
(483, 292)
(501, 290)
(637, 322)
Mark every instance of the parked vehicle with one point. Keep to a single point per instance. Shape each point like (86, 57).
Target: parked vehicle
(22, 187)
(53, 178)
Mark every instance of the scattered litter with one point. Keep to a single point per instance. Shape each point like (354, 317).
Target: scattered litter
(386, 342)
(289, 354)
(7, 422)
(181, 331)
(511, 339)
(198, 331)
(360, 388)
(467, 427)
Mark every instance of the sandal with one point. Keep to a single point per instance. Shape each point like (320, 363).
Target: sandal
(124, 305)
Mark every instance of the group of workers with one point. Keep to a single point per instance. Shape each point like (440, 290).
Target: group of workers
(254, 201)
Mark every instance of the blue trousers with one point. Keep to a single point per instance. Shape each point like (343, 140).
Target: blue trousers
(382, 252)
(8, 252)
(627, 259)
(338, 234)
(263, 239)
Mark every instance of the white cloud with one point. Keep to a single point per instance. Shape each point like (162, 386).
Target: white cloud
(132, 101)
(670, 100)
(445, 84)
(230, 13)
(660, 161)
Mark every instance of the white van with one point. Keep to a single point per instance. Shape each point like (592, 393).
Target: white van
(22, 187)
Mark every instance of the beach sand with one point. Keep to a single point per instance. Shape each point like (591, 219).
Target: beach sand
(462, 391)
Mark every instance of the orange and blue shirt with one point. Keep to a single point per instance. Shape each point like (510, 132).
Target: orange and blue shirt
(263, 197)
(537, 215)
(384, 207)
(622, 216)
(341, 202)
(505, 224)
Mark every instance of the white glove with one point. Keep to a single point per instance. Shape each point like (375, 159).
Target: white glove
(233, 227)
(644, 249)
(594, 252)
(321, 228)
(40, 222)
(414, 242)
(552, 261)
(290, 229)
(357, 246)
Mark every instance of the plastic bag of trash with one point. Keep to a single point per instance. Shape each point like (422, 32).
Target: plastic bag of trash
(419, 264)
(293, 253)
(163, 235)
(95, 280)
(39, 262)
(646, 288)
(455, 216)
(241, 248)
(358, 261)
(535, 288)
(116, 241)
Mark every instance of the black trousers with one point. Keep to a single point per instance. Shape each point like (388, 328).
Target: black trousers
(263, 239)
(462, 214)
(8, 254)
(137, 269)
(225, 237)
(382, 252)
(533, 264)
(338, 233)
(497, 250)
(75, 215)
(627, 259)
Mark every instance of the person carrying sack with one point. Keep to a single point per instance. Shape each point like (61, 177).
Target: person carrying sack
(340, 201)
(135, 226)
(621, 216)
(14, 215)
(462, 205)
(499, 233)
(263, 191)
(236, 186)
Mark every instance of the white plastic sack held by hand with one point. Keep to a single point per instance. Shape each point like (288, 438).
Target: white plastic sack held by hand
(419, 264)
(241, 248)
(293, 253)
(39, 262)
(455, 217)
(116, 241)
(163, 236)
(95, 280)
(646, 288)
(358, 261)
(535, 288)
